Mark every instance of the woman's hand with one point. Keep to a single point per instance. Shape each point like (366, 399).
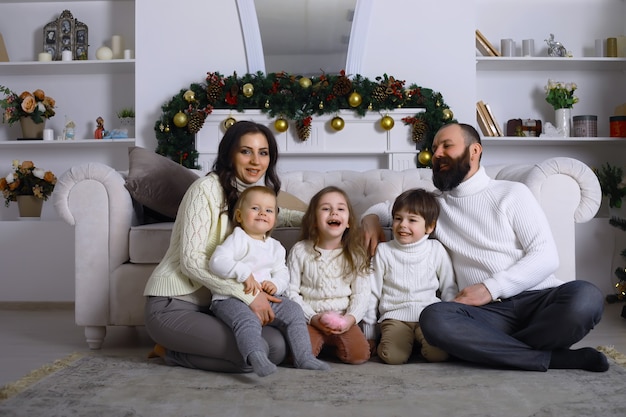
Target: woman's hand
(373, 232)
(262, 308)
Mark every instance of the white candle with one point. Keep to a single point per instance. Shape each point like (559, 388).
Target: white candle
(45, 56)
(117, 46)
(128, 54)
(66, 55)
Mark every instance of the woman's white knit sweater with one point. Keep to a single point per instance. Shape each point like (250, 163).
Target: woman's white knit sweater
(496, 234)
(406, 279)
(201, 225)
(318, 283)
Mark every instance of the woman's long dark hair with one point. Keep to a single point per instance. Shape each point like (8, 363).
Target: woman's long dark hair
(223, 165)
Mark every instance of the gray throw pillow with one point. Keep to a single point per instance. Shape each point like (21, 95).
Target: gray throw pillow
(157, 182)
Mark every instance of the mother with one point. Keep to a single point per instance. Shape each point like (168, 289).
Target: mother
(178, 293)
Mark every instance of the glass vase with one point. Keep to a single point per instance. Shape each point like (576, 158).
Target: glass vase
(563, 121)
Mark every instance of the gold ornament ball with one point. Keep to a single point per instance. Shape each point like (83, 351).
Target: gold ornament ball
(355, 99)
(247, 90)
(267, 104)
(229, 122)
(337, 123)
(321, 105)
(180, 119)
(387, 122)
(167, 129)
(424, 157)
(305, 82)
(189, 96)
(281, 125)
(447, 114)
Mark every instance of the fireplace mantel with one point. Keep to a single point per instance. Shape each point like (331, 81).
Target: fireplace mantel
(362, 144)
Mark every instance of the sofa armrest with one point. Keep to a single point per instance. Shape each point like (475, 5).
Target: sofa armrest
(92, 198)
(568, 192)
(539, 178)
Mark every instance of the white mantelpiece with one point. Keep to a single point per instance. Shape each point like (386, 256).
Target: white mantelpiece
(362, 144)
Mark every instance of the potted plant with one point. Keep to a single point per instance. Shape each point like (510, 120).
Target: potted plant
(614, 187)
(561, 97)
(127, 120)
(30, 109)
(29, 186)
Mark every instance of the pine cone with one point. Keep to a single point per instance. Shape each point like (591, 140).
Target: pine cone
(303, 130)
(419, 131)
(343, 86)
(213, 91)
(196, 121)
(379, 94)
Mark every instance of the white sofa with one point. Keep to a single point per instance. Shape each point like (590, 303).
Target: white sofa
(114, 255)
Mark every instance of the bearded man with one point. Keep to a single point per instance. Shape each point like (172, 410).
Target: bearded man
(511, 311)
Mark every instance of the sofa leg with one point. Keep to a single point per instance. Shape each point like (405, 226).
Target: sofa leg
(94, 335)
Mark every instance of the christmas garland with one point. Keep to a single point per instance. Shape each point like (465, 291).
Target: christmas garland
(298, 98)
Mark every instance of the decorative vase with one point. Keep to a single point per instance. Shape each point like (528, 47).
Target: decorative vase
(29, 205)
(128, 123)
(30, 129)
(563, 119)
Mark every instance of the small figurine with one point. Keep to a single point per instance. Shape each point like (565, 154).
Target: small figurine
(68, 132)
(556, 49)
(99, 133)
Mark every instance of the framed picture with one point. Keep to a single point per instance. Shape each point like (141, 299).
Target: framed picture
(66, 34)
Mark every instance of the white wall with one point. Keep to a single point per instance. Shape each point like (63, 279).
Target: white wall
(177, 46)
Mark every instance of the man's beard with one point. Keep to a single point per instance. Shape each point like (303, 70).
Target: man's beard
(456, 171)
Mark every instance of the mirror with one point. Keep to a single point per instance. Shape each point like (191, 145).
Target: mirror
(305, 37)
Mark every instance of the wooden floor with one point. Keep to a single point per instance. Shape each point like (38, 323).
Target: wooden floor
(32, 338)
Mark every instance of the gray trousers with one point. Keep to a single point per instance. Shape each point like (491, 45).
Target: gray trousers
(247, 328)
(195, 338)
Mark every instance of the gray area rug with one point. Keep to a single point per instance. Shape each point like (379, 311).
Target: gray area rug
(113, 386)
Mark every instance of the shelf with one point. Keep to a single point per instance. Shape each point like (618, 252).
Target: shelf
(114, 66)
(66, 143)
(545, 140)
(549, 64)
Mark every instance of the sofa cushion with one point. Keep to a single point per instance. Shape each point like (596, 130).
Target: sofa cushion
(157, 182)
(149, 242)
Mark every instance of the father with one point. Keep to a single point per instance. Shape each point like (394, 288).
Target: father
(511, 310)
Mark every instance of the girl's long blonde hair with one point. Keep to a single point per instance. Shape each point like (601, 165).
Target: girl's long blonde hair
(354, 251)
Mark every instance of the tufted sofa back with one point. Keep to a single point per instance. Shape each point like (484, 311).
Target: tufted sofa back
(364, 188)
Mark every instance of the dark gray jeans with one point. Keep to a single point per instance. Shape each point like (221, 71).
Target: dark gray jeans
(519, 332)
(195, 338)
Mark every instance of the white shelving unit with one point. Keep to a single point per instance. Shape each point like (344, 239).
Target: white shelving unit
(83, 90)
(514, 86)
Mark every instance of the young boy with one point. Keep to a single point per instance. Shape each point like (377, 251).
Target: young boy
(408, 272)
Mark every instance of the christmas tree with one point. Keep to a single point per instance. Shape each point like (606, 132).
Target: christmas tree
(614, 187)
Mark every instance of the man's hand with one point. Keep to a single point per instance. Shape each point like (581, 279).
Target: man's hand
(372, 232)
(474, 295)
(262, 308)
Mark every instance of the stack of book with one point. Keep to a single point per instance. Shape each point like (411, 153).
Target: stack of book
(486, 120)
(484, 46)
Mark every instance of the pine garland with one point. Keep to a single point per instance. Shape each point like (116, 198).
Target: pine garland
(295, 98)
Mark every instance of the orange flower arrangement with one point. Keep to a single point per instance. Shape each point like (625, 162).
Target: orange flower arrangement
(35, 105)
(26, 179)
